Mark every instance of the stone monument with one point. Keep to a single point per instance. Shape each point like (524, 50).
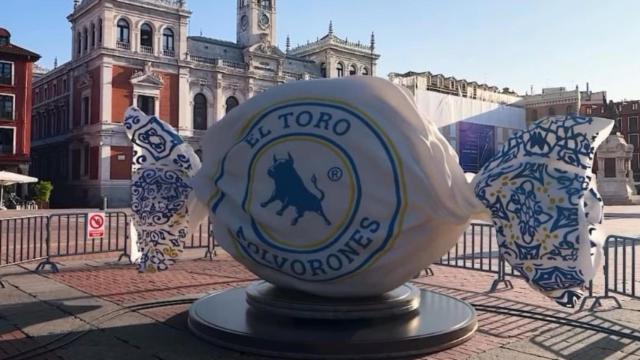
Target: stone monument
(615, 180)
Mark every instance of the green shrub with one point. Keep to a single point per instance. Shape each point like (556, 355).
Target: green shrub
(43, 191)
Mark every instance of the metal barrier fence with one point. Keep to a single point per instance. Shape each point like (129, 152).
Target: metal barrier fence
(68, 236)
(198, 241)
(23, 239)
(622, 268)
(43, 237)
(477, 249)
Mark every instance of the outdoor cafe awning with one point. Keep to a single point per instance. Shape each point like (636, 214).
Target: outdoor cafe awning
(9, 178)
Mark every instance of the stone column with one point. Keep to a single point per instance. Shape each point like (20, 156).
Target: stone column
(183, 100)
(218, 98)
(108, 27)
(105, 163)
(106, 75)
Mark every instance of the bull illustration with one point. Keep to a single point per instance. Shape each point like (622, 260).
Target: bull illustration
(291, 191)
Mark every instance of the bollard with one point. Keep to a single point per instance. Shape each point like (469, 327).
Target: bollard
(104, 203)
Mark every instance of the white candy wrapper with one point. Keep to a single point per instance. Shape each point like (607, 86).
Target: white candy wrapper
(339, 188)
(334, 187)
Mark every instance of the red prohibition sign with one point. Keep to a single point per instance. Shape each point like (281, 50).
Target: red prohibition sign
(96, 221)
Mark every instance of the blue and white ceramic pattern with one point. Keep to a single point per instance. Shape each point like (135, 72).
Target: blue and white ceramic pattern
(162, 165)
(545, 205)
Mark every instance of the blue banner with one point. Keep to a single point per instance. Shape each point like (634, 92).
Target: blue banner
(476, 145)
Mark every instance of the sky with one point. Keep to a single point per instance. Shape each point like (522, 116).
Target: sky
(508, 43)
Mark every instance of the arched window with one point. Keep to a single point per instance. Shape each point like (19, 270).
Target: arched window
(231, 103)
(552, 111)
(353, 70)
(85, 39)
(167, 41)
(146, 38)
(123, 31)
(365, 71)
(200, 112)
(79, 43)
(93, 35)
(265, 4)
(323, 70)
(340, 69)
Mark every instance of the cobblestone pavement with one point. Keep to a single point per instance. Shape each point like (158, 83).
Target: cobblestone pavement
(86, 295)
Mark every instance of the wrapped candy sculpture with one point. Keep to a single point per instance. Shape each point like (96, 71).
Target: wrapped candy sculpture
(339, 188)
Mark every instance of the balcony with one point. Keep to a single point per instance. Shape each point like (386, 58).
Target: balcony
(169, 53)
(146, 49)
(122, 45)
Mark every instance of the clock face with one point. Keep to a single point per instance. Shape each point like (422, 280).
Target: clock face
(244, 22)
(264, 20)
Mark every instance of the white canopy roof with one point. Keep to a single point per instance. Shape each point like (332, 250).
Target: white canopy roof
(9, 178)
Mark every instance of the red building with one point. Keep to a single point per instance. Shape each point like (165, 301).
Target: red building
(16, 70)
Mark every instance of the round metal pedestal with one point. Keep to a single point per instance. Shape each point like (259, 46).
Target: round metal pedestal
(226, 319)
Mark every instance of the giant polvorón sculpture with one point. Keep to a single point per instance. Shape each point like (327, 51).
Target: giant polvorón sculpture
(340, 188)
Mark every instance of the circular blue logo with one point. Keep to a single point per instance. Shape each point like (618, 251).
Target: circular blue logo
(309, 206)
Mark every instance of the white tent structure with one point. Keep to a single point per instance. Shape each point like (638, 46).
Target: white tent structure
(9, 178)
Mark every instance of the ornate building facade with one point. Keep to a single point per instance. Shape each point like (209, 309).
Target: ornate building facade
(138, 52)
(16, 70)
(560, 101)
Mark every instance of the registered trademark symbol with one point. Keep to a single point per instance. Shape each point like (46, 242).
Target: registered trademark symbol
(334, 174)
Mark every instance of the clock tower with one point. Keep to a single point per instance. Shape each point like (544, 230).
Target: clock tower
(256, 22)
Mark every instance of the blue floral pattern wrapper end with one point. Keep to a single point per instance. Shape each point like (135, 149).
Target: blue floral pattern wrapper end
(160, 189)
(545, 206)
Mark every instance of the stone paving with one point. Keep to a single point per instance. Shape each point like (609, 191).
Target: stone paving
(81, 313)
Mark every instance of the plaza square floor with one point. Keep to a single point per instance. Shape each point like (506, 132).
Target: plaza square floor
(84, 312)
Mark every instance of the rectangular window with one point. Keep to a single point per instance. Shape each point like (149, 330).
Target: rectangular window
(588, 111)
(610, 168)
(147, 104)
(6, 107)
(86, 161)
(634, 106)
(6, 141)
(75, 164)
(6, 73)
(634, 139)
(633, 124)
(86, 111)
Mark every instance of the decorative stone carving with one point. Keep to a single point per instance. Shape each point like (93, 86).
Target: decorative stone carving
(85, 81)
(147, 77)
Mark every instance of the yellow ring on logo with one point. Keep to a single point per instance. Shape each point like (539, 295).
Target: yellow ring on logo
(337, 228)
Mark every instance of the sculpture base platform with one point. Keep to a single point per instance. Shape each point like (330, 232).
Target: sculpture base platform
(226, 319)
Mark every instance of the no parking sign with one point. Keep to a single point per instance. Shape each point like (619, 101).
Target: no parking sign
(95, 225)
